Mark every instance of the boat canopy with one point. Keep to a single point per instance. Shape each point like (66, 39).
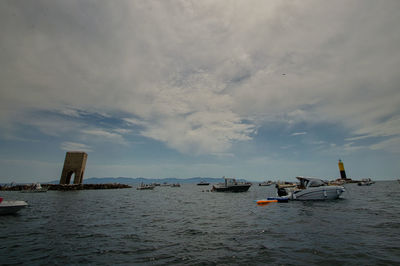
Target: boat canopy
(310, 182)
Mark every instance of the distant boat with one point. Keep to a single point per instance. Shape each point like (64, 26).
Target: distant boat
(11, 206)
(145, 187)
(365, 182)
(35, 188)
(175, 185)
(266, 183)
(202, 183)
(231, 185)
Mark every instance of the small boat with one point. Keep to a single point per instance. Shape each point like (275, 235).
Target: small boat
(365, 182)
(267, 183)
(11, 206)
(145, 187)
(265, 201)
(313, 189)
(231, 185)
(175, 185)
(35, 188)
(202, 183)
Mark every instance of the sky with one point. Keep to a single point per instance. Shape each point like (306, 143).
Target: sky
(261, 90)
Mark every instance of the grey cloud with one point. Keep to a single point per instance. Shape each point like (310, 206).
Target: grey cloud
(175, 64)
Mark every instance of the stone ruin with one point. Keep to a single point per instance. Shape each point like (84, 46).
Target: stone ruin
(75, 163)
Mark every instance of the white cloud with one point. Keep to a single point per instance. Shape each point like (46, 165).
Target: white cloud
(122, 131)
(97, 134)
(200, 133)
(70, 112)
(298, 133)
(73, 146)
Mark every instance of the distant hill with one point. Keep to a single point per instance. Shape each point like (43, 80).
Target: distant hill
(138, 180)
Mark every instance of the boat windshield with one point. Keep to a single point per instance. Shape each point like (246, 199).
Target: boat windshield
(316, 183)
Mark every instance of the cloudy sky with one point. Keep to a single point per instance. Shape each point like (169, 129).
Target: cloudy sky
(250, 89)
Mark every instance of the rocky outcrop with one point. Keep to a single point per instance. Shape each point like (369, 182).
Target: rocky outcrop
(63, 187)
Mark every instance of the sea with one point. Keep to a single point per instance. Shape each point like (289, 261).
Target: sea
(189, 225)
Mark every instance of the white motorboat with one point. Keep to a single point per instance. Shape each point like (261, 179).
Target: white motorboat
(366, 182)
(145, 187)
(34, 188)
(266, 183)
(314, 189)
(11, 206)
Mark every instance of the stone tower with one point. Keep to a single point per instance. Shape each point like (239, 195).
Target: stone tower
(75, 163)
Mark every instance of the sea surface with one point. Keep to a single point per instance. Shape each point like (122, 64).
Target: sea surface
(189, 226)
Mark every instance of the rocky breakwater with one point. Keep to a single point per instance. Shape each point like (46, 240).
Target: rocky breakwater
(67, 187)
(87, 186)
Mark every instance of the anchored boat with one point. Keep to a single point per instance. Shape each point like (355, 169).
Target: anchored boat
(11, 206)
(266, 183)
(365, 182)
(145, 187)
(35, 188)
(313, 189)
(231, 185)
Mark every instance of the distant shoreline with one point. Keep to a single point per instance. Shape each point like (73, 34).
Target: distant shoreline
(67, 187)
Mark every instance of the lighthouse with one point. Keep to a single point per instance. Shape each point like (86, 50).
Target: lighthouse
(341, 169)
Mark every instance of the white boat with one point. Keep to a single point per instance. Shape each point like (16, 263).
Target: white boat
(34, 188)
(366, 182)
(266, 183)
(11, 206)
(145, 187)
(314, 189)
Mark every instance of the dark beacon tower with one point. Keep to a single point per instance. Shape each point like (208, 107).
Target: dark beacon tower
(341, 169)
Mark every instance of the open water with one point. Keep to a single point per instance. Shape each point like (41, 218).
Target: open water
(188, 226)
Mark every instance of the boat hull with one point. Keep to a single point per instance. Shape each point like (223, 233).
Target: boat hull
(318, 193)
(10, 207)
(234, 188)
(145, 188)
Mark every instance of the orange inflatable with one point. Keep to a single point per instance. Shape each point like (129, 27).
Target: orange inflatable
(264, 202)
